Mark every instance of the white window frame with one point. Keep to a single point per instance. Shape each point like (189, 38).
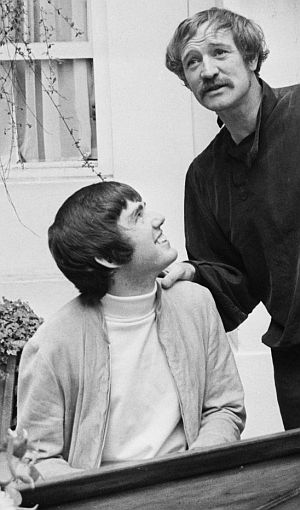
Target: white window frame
(97, 49)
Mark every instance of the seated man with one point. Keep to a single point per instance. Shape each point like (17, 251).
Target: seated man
(126, 371)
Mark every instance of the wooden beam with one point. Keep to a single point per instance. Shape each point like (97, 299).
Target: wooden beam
(237, 471)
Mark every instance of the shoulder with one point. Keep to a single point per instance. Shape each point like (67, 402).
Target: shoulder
(64, 328)
(290, 90)
(189, 297)
(190, 308)
(66, 318)
(288, 97)
(64, 343)
(204, 164)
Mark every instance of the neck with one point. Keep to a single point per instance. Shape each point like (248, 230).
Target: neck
(131, 285)
(241, 120)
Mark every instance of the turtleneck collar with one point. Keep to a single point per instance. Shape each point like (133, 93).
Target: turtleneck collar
(129, 307)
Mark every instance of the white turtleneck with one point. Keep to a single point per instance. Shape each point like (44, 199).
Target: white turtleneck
(144, 419)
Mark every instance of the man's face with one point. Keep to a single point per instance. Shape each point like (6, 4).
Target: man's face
(215, 70)
(142, 227)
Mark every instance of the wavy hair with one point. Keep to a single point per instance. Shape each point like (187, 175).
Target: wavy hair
(247, 35)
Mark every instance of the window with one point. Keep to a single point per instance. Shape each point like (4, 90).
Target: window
(47, 100)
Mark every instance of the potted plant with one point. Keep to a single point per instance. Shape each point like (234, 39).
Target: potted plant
(18, 323)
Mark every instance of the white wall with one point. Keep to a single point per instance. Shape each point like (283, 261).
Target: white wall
(151, 116)
(156, 129)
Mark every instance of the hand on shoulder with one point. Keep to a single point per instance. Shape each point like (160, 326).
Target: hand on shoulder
(179, 271)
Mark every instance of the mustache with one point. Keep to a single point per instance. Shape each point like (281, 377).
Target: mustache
(209, 85)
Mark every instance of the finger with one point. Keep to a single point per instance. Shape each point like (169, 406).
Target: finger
(166, 281)
(174, 275)
(163, 273)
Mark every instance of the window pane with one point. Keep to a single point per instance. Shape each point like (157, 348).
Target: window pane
(55, 123)
(8, 130)
(53, 98)
(55, 20)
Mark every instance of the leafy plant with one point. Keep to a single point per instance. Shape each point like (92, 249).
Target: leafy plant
(15, 467)
(18, 323)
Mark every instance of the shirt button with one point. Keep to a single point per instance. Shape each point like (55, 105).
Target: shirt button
(238, 178)
(243, 194)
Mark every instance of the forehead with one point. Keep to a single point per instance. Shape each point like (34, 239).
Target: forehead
(208, 34)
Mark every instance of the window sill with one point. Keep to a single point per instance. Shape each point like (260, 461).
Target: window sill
(53, 171)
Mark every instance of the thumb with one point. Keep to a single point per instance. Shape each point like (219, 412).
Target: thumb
(168, 280)
(177, 272)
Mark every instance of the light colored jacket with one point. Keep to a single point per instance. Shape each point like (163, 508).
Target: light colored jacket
(64, 378)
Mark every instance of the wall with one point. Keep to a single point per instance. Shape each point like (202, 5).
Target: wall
(154, 132)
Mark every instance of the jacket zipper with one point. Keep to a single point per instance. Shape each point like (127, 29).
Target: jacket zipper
(102, 441)
(176, 389)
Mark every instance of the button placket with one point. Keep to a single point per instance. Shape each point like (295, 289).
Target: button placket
(239, 180)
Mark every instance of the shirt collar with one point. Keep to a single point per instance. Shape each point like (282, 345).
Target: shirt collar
(128, 308)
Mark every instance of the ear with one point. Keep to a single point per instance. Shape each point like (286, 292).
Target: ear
(253, 64)
(106, 263)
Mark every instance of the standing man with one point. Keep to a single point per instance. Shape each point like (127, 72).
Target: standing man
(242, 193)
(126, 371)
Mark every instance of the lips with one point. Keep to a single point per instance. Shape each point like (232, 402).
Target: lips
(160, 239)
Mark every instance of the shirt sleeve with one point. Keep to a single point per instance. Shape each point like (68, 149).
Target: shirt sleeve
(223, 412)
(218, 265)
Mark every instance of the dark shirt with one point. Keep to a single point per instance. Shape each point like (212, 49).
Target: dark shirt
(242, 218)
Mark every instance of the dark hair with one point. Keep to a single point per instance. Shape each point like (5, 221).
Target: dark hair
(85, 227)
(247, 35)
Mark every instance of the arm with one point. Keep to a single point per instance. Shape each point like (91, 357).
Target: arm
(41, 411)
(213, 261)
(223, 412)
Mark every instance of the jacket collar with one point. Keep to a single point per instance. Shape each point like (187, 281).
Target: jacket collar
(158, 298)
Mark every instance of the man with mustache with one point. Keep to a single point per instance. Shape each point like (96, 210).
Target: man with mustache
(242, 193)
(126, 371)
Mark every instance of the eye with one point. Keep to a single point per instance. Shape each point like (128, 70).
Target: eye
(192, 61)
(218, 52)
(139, 214)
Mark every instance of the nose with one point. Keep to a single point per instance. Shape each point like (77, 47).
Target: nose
(157, 219)
(208, 68)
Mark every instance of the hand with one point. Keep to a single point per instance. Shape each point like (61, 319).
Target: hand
(180, 271)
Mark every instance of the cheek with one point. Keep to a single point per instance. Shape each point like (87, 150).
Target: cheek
(192, 80)
(189, 76)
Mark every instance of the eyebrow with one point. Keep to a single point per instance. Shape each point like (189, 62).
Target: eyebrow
(210, 45)
(187, 55)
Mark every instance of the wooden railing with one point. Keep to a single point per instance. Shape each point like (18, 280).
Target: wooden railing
(260, 473)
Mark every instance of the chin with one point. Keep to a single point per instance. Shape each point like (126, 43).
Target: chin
(172, 258)
(215, 106)
(218, 104)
